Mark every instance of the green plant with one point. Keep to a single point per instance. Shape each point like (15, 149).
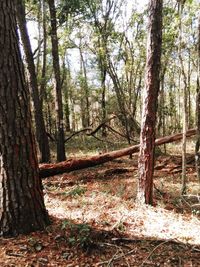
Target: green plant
(196, 212)
(120, 226)
(77, 191)
(77, 234)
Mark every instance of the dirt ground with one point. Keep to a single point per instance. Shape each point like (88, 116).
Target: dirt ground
(96, 222)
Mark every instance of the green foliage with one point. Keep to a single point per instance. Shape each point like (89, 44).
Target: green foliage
(77, 234)
(77, 191)
(196, 212)
(73, 8)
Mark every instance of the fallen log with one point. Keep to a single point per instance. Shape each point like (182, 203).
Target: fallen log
(47, 170)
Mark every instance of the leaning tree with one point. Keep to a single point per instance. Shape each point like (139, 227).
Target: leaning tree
(152, 81)
(22, 208)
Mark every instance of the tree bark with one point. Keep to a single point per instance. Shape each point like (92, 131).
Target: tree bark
(39, 119)
(22, 208)
(197, 155)
(183, 88)
(152, 83)
(56, 66)
(47, 170)
(85, 112)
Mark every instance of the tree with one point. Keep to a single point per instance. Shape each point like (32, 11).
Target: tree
(39, 119)
(152, 82)
(22, 208)
(185, 96)
(197, 156)
(56, 66)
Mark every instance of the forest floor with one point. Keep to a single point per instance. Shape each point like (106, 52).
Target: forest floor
(96, 222)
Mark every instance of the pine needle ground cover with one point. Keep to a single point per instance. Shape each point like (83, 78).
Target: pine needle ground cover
(96, 222)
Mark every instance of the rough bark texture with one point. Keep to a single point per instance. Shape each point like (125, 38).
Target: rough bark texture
(56, 66)
(147, 135)
(47, 170)
(22, 208)
(39, 119)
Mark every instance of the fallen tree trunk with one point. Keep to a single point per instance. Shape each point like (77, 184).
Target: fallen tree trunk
(47, 170)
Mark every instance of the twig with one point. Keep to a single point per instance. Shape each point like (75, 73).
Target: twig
(126, 239)
(78, 132)
(195, 249)
(195, 205)
(14, 254)
(123, 254)
(186, 202)
(154, 251)
(50, 137)
(101, 125)
(113, 257)
(114, 131)
(117, 258)
(159, 191)
(91, 132)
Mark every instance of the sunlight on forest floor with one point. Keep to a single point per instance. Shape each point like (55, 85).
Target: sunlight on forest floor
(133, 220)
(108, 204)
(96, 223)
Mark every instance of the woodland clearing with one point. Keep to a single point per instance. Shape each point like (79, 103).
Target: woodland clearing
(96, 222)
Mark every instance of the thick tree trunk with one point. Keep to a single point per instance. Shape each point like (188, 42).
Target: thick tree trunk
(152, 83)
(47, 170)
(22, 208)
(56, 66)
(39, 119)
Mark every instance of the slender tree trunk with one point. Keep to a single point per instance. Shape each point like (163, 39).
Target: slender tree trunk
(197, 155)
(39, 39)
(102, 64)
(147, 135)
(185, 122)
(44, 56)
(66, 96)
(85, 90)
(103, 99)
(22, 208)
(39, 119)
(56, 66)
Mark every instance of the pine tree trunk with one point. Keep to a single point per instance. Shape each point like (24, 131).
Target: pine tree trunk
(22, 208)
(56, 66)
(147, 135)
(39, 119)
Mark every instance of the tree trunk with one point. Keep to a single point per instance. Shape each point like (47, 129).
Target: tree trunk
(85, 89)
(66, 97)
(147, 135)
(185, 95)
(43, 93)
(39, 119)
(197, 155)
(77, 164)
(56, 66)
(22, 208)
